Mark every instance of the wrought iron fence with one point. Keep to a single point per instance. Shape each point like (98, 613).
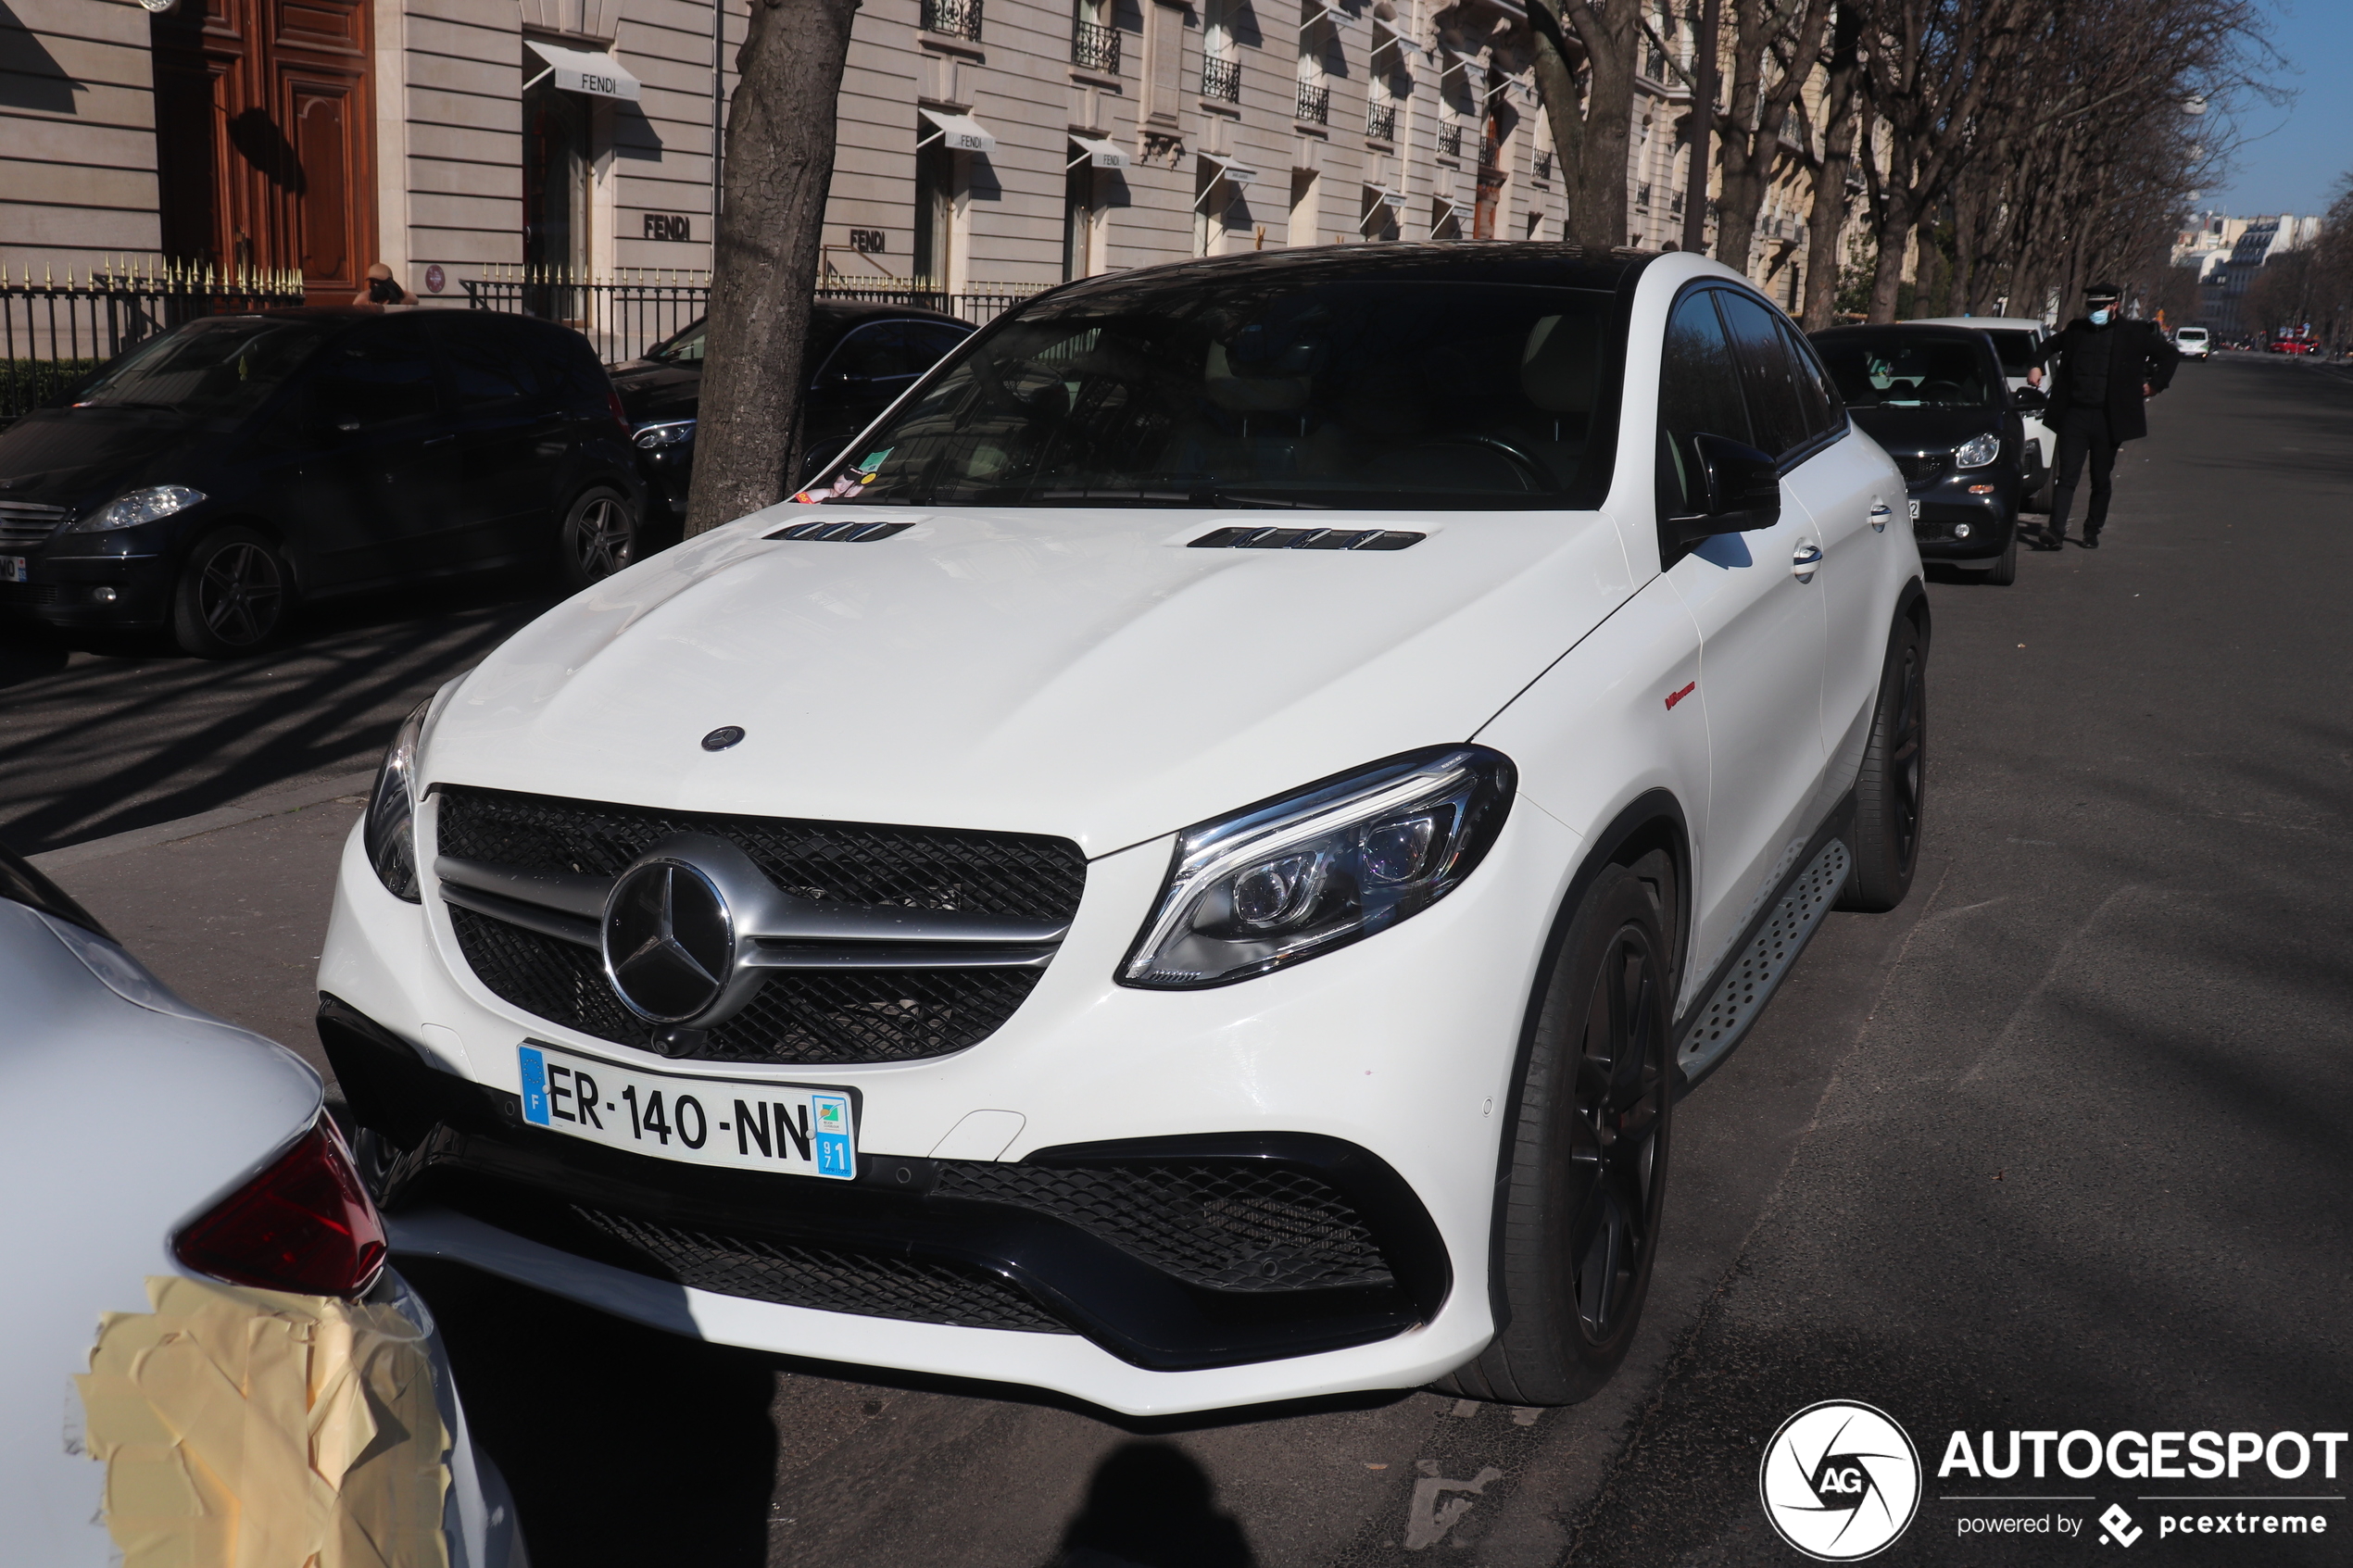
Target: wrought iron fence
(1380, 121)
(1315, 103)
(1093, 47)
(52, 333)
(1221, 79)
(622, 318)
(1449, 140)
(1544, 166)
(957, 19)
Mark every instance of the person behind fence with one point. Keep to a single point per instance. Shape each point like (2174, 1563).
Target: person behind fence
(382, 291)
(2108, 369)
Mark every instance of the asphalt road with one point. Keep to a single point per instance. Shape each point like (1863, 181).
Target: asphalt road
(100, 735)
(2062, 1144)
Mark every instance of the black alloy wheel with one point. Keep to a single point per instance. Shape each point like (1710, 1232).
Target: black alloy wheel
(1578, 1229)
(233, 594)
(1891, 792)
(599, 538)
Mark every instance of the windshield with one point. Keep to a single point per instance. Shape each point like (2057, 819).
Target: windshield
(684, 349)
(2192, 334)
(219, 369)
(1890, 374)
(1259, 391)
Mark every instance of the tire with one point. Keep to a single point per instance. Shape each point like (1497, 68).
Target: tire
(1891, 792)
(235, 594)
(599, 538)
(1579, 1225)
(2004, 571)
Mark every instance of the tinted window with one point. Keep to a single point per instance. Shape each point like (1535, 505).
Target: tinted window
(487, 367)
(1699, 394)
(928, 341)
(1893, 371)
(876, 352)
(1777, 410)
(2016, 346)
(684, 349)
(1817, 398)
(377, 375)
(1276, 390)
(212, 369)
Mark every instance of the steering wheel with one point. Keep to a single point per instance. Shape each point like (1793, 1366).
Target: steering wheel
(1532, 474)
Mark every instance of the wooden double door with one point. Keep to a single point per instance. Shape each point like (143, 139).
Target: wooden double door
(265, 138)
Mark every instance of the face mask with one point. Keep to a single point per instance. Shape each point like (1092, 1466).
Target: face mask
(2099, 318)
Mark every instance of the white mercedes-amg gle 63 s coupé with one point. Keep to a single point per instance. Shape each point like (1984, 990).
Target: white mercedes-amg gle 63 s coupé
(1190, 869)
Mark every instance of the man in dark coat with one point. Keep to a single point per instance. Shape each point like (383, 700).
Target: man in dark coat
(2108, 369)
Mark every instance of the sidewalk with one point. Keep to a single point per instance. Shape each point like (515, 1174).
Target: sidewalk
(228, 906)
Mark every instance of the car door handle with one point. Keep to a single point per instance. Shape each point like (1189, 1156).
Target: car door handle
(1803, 560)
(1882, 515)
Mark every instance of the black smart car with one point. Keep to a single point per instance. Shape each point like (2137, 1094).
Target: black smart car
(206, 480)
(864, 356)
(1936, 398)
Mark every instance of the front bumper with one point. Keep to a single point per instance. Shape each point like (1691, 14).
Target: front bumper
(1955, 526)
(1376, 1070)
(94, 591)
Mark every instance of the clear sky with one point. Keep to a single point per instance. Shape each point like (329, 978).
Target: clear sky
(2296, 167)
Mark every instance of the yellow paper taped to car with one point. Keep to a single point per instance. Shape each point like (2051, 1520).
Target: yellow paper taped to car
(258, 1429)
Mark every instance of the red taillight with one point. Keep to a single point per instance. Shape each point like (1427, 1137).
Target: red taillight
(619, 414)
(305, 1224)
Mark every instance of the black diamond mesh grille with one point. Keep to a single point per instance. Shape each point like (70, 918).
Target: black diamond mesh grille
(1921, 468)
(1235, 1224)
(831, 1280)
(795, 1017)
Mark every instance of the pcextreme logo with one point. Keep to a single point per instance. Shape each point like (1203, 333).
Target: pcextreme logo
(1840, 1481)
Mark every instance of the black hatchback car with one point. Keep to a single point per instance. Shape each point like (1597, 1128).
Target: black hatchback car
(210, 477)
(1935, 397)
(864, 357)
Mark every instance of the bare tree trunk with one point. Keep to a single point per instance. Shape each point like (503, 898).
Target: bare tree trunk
(1752, 131)
(1592, 126)
(1826, 225)
(1707, 50)
(779, 167)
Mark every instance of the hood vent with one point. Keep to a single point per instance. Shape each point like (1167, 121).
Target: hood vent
(1306, 539)
(842, 532)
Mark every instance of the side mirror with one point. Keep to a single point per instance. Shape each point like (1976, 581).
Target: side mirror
(1740, 489)
(2029, 399)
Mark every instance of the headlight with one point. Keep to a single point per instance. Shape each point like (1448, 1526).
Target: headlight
(1282, 882)
(653, 438)
(1978, 451)
(138, 507)
(390, 838)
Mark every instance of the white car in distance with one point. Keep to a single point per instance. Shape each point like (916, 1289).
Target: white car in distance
(1194, 873)
(207, 1360)
(2193, 343)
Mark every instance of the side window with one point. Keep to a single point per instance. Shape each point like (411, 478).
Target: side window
(1824, 414)
(486, 371)
(928, 341)
(1776, 409)
(1698, 394)
(873, 353)
(381, 374)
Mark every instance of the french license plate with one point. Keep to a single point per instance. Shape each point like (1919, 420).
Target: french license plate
(799, 1129)
(13, 570)
(1916, 511)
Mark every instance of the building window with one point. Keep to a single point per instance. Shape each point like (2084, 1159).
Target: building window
(1315, 103)
(957, 19)
(1450, 141)
(556, 172)
(1079, 214)
(1380, 121)
(935, 205)
(1221, 79)
(1094, 43)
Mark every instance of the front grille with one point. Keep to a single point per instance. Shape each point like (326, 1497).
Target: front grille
(798, 1017)
(1919, 468)
(828, 1279)
(1240, 1225)
(23, 523)
(31, 593)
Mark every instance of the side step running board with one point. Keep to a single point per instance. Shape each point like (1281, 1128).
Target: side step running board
(1717, 1026)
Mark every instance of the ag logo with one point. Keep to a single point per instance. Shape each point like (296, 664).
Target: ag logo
(1840, 1481)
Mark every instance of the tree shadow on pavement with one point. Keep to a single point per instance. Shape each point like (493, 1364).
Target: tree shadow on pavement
(1152, 1506)
(625, 1445)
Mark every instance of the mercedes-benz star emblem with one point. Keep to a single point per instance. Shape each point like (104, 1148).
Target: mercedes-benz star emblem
(670, 942)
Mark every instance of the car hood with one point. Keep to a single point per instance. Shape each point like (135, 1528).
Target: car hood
(80, 457)
(1082, 674)
(651, 391)
(1908, 430)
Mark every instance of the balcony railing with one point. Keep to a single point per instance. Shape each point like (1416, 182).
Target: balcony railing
(1449, 140)
(1314, 104)
(1544, 166)
(1380, 121)
(1221, 79)
(1094, 48)
(957, 19)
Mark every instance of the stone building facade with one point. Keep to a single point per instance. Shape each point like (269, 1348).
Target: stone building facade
(983, 144)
